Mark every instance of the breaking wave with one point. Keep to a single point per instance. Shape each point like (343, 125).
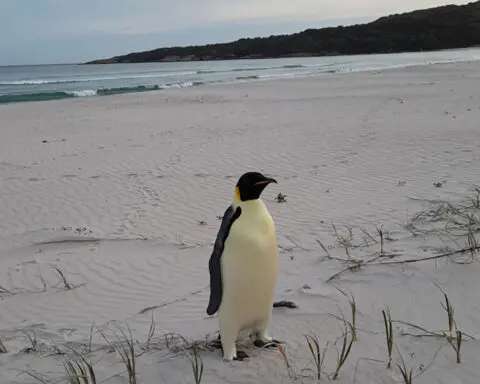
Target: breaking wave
(57, 95)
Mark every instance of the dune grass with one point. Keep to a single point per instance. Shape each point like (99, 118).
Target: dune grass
(407, 374)
(317, 354)
(34, 346)
(79, 371)
(454, 341)
(344, 352)
(196, 363)
(126, 350)
(387, 320)
(353, 312)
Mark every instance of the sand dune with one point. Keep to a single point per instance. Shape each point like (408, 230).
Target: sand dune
(123, 194)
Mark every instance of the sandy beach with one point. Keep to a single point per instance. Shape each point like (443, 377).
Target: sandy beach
(123, 195)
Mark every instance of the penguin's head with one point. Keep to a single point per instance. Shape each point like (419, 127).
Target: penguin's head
(250, 186)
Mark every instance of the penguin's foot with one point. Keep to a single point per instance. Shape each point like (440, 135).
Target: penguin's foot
(241, 355)
(259, 343)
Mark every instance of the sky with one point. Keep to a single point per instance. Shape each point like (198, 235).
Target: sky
(72, 31)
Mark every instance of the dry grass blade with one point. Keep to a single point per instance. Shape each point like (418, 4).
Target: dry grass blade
(65, 282)
(151, 333)
(3, 349)
(373, 262)
(5, 290)
(472, 244)
(426, 331)
(367, 237)
(324, 248)
(353, 267)
(196, 363)
(344, 240)
(387, 321)
(283, 352)
(456, 345)
(381, 235)
(90, 338)
(37, 377)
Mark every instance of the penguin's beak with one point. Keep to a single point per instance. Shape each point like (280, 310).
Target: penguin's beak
(266, 181)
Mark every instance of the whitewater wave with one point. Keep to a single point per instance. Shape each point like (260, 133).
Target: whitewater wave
(83, 93)
(58, 95)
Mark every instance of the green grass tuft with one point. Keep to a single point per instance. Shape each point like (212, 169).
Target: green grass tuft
(317, 355)
(387, 321)
(196, 363)
(79, 371)
(345, 350)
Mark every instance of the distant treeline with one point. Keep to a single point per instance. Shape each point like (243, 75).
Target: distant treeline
(431, 29)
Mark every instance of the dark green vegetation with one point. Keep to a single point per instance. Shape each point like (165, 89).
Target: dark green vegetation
(431, 29)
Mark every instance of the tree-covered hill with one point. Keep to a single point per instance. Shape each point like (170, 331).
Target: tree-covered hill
(437, 28)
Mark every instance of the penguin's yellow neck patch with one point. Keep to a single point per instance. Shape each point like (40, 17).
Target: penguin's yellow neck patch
(237, 194)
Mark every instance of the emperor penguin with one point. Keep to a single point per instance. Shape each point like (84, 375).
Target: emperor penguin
(243, 268)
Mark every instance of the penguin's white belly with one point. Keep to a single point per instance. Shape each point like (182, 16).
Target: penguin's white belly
(249, 272)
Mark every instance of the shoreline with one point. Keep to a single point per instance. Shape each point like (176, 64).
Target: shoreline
(136, 90)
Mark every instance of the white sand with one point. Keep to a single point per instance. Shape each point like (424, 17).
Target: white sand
(140, 171)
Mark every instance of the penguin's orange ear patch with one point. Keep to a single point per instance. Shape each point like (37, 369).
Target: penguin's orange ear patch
(237, 193)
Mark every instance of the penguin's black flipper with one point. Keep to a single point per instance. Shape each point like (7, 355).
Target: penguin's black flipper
(229, 217)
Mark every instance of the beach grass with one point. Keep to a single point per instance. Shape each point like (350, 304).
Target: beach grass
(196, 363)
(3, 349)
(317, 354)
(407, 373)
(32, 338)
(387, 321)
(347, 340)
(79, 371)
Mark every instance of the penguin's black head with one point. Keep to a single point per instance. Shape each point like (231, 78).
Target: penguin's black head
(251, 184)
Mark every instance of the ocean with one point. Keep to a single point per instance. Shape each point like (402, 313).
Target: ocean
(51, 82)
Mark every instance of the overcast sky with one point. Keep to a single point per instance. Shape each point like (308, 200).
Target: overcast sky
(66, 31)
